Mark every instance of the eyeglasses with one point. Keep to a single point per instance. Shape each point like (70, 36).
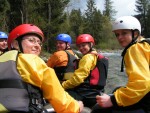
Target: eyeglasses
(33, 41)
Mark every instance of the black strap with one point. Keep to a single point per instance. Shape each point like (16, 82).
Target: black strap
(71, 59)
(68, 54)
(125, 50)
(12, 84)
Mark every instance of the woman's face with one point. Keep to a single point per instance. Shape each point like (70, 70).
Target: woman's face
(123, 36)
(31, 44)
(61, 45)
(84, 48)
(3, 44)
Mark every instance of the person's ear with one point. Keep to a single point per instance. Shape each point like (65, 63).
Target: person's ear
(92, 44)
(15, 44)
(68, 45)
(136, 33)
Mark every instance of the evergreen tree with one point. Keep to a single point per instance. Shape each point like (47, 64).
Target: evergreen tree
(142, 9)
(56, 17)
(4, 8)
(108, 10)
(15, 13)
(92, 21)
(76, 22)
(148, 22)
(52, 18)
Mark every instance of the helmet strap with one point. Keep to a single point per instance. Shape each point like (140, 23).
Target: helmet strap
(67, 47)
(19, 43)
(134, 39)
(91, 46)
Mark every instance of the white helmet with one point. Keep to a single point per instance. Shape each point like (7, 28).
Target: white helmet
(126, 22)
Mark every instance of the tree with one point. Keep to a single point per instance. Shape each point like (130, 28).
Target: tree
(142, 10)
(15, 14)
(92, 21)
(108, 10)
(4, 8)
(52, 18)
(148, 22)
(76, 22)
(57, 17)
(89, 16)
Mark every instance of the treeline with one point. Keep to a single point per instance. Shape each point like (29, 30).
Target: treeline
(53, 18)
(143, 14)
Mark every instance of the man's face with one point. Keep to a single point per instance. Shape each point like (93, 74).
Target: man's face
(3, 44)
(60, 45)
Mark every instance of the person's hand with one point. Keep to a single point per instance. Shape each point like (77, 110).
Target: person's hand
(104, 100)
(81, 105)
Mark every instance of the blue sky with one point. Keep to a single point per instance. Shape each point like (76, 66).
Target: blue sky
(123, 7)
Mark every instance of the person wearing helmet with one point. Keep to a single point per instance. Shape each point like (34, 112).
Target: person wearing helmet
(134, 97)
(25, 78)
(62, 60)
(3, 42)
(78, 86)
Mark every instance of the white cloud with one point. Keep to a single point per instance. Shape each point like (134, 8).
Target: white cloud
(123, 7)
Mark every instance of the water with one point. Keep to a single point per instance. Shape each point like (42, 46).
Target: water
(115, 78)
(111, 54)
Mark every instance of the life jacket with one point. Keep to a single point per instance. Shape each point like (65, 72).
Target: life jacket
(16, 95)
(96, 80)
(97, 77)
(63, 72)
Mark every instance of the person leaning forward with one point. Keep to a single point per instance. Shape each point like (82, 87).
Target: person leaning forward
(62, 61)
(23, 74)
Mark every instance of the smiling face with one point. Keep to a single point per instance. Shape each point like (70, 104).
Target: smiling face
(3, 44)
(31, 44)
(84, 48)
(61, 45)
(123, 36)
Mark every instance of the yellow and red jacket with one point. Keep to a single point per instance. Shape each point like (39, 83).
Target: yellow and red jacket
(33, 70)
(86, 64)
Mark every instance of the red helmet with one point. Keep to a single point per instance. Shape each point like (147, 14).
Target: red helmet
(22, 30)
(84, 38)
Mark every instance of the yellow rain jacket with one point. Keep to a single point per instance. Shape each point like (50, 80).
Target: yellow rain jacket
(137, 64)
(58, 59)
(33, 70)
(86, 64)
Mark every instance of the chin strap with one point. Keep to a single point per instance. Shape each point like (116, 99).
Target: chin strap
(134, 40)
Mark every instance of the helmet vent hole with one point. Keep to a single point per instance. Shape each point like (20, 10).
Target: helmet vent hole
(121, 21)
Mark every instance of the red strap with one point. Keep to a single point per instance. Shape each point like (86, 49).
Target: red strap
(100, 56)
